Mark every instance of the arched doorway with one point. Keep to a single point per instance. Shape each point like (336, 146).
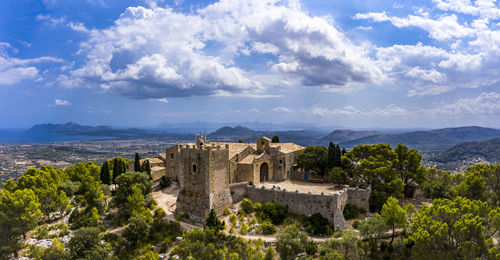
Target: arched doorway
(264, 176)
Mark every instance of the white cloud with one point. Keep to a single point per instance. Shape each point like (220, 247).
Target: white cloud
(158, 52)
(350, 111)
(280, 109)
(61, 102)
(444, 28)
(160, 100)
(13, 70)
(488, 103)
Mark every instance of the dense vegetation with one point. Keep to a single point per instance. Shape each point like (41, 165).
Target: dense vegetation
(92, 212)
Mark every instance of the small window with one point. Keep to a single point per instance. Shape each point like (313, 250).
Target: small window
(263, 143)
(194, 167)
(281, 161)
(249, 151)
(171, 156)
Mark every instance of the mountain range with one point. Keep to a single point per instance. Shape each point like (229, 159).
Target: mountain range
(431, 140)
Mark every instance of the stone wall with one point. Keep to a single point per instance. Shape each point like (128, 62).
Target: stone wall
(238, 191)
(244, 173)
(359, 197)
(330, 206)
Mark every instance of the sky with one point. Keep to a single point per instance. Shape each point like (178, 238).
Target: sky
(350, 63)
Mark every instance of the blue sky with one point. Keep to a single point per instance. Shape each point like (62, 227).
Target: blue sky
(348, 63)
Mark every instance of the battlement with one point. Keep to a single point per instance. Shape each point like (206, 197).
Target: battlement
(206, 146)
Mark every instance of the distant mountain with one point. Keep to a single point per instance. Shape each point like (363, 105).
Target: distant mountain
(339, 136)
(71, 128)
(234, 134)
(488, 149)
(437, 139)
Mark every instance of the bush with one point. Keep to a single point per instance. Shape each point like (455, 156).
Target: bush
(244, 229)
(356, 223)
(351, 211)
(233, 219)
(267, 228)
(165, 182)
(226, 212)
(317, 225)
(247, 206)
(276, 213)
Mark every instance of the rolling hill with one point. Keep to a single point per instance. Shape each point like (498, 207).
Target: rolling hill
(438, 139)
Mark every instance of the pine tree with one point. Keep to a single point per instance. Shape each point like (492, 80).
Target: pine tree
(137, 163)
(213, 222)
(105, 174)
(275, 139)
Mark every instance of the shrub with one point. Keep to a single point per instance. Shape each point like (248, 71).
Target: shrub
(244, 229)
(226, 212)
(317, 225)
(356, 223)
(351, 211)
(267, 228)
(276, 213)
(233, 219)
(165, 182)
(247, 206)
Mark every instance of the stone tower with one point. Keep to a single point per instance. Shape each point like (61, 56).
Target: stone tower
(204, 180)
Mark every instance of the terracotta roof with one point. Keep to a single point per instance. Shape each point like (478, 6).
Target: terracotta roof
(287, 147)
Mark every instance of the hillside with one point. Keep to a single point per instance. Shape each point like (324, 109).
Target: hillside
(234, 134)
(71, 128)
(438, 139)
(489, 150)
(339, 136)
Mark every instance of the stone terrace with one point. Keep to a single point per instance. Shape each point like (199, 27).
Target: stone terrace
(301, 186)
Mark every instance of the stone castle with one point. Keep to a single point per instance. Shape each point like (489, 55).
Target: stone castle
(214, 175)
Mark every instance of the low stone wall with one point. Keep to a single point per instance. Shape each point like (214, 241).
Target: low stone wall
(359, 197)
(330, 206)
(238, 191)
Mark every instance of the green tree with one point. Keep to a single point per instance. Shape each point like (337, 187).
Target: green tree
(372, 229)
(119, 167)
(270, 253)
(343, 242)
(291, 242)
(338, 175)
(440, 184)
(105, 175)
(137, 163)
(126, 181)
(334, 156)
(481, 182)
(373, 164)
(86, 244)
(146, 168)
(313, 158)
(393, 215)
(455, 229)
(135, 201)
(409, 167)
(214, 223)
(275, 139)
(19, 213)
(136, 231)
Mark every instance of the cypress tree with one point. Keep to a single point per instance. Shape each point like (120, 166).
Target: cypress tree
(119, 167)
(105, 174)
(331, 155)
(275, 139)
(137, 163)
(146, 168)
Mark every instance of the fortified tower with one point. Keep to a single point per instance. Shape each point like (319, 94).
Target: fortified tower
(204, 179)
